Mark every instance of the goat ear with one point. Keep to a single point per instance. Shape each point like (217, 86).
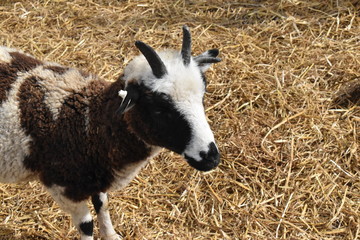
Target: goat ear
(207, 58)
(130, 96)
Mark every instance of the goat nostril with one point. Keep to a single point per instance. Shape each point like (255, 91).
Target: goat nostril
(213, 149)
(212, 154)
(209, 159)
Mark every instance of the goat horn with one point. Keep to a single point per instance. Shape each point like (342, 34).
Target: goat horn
(157, 66)
(186, 45)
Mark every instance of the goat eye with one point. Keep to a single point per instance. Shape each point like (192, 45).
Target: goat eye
(163, 113)
(157, 112)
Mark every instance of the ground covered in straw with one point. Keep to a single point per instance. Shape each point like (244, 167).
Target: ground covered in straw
(290, 154)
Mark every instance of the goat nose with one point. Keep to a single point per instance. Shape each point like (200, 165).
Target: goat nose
(212, 155)
(209, 160)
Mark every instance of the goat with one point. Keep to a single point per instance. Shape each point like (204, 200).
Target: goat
(74, 133)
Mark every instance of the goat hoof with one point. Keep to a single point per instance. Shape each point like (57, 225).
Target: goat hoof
(113, 237)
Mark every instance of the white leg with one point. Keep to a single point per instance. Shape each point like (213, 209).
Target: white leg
(79, 211)
(106, 229)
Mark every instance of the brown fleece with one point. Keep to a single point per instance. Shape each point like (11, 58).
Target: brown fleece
(7, 77)
(68, 153)
(23, 62)
(8, 72)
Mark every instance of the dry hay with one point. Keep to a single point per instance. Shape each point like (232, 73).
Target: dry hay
(290, 157)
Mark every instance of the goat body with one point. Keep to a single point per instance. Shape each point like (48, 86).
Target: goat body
(63, 127)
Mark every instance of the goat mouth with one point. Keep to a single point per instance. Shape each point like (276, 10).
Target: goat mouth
(203, 165)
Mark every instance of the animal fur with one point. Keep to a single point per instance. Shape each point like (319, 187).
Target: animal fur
(63, 127)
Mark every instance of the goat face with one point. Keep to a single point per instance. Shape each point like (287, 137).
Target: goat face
(164, 102)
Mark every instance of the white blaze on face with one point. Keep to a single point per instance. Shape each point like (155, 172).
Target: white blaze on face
(185, 86)
(202, 135)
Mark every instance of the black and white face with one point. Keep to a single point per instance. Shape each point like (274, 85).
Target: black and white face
(168, 110)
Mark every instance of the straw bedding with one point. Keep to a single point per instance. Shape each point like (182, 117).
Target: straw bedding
(278, 104)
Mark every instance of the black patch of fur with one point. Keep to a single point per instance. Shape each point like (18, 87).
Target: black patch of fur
(213, 52)
(7, 77)
(36, 119)
(87, 227)
(156, 120)
(68, 153)
(95, 199)
(210, 159)
(22, 62)
(31, 97)
(8, 72)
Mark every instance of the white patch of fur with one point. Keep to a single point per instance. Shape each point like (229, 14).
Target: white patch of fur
(85, 237)
(4, 54)
(78, 210)
(59, 86)
(104, 199)
(106, 227)
(185, 86)
(122, 94)
(180, 79)
(14, 143)
(202, 135)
